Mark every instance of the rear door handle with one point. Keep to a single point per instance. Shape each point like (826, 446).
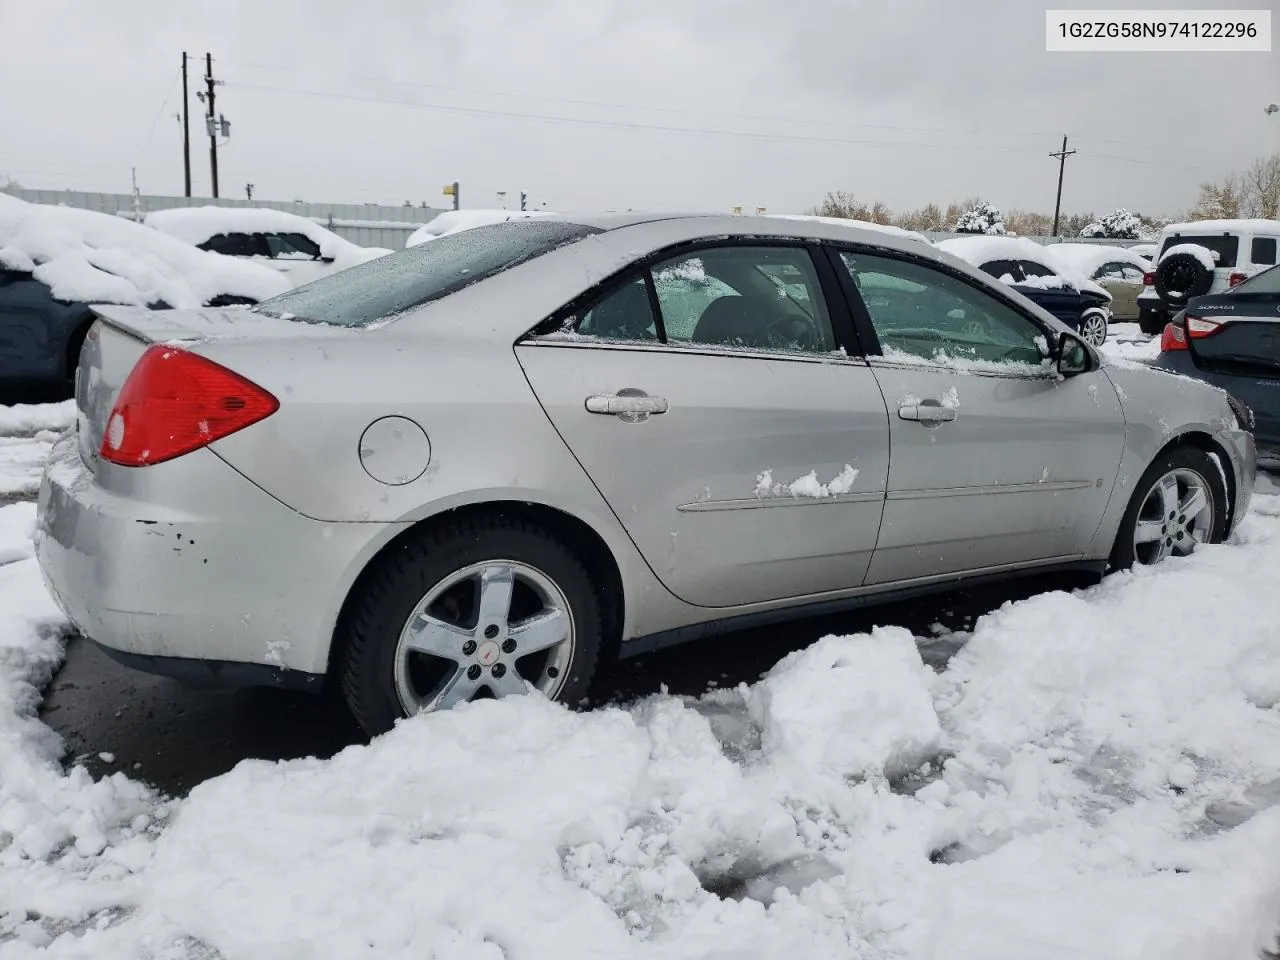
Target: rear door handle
(630, 405)
(926, 411)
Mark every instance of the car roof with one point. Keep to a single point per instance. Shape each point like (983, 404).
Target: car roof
(1270, 228)
(745, 225)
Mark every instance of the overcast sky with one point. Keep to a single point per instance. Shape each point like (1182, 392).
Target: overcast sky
(576, 101)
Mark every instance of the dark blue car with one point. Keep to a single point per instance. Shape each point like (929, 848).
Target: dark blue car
(1085, 311)
(1232, 340)
(40, 337)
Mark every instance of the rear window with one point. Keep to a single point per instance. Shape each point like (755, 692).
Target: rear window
(1268, 281)
(401, 281)
(1225, 246)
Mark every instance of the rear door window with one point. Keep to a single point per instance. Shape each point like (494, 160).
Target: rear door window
(1263, 251)
(1004, 268)
(291, 246)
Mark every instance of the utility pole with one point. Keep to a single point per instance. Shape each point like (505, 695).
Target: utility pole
(209, 121)
(186, 132)
(524, 200)
(248, 191)
(1062, 169)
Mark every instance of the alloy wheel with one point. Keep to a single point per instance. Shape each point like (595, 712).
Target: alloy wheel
(1176, 515)
(1094, 330)
(492, 629)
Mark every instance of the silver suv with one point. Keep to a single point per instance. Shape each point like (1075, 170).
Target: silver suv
(1203, 257)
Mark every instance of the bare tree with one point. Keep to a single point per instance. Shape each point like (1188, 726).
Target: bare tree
(1260, 188)
(1220, 200)
(928, 217)
(1027, 223)
(845, 205)
(8, 184)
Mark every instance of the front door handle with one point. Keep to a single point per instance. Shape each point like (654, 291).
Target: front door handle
(926, 411)
(629, 405)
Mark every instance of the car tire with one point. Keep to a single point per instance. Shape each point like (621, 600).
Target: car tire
(1181, 277)
(384, 680)
(1093, 327)
(1150, 513)
(1152, 322)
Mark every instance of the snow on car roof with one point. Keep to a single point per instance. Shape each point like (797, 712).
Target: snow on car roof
(1255, 225)
(91, 257)
(861, 224)
(978, 250)
(452, 221)
(1088, 257)
(197, 225)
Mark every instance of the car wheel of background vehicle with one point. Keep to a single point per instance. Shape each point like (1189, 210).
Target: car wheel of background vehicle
(1180, 502)
(1152, 322)
(1181, 277)
(477, 608)
(1093, 328)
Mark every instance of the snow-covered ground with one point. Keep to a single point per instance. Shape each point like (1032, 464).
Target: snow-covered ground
(1091, 775)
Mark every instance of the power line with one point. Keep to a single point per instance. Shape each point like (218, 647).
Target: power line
(623, 124)
(682, 111)
(159, 113)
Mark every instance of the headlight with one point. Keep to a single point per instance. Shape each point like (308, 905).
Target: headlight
(1244, 416)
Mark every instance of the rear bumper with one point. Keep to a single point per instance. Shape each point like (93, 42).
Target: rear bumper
(195, 572)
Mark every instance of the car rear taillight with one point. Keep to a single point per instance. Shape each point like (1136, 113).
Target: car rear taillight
(1172, 339)
(1149, 278)
(174, 402)
(1198, 328)
(1237, 278)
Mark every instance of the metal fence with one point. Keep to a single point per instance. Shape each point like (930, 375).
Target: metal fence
(366, 224)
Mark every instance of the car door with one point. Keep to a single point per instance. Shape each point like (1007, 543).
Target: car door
(704, 394)
(995, 460)
(1111, 276)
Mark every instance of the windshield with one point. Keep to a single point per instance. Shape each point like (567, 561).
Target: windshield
(1268, 281)
(1224, 245)
(401, 281)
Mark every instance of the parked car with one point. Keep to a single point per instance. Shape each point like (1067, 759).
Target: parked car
(1145, 250)
(55, 261)
(453, 221)
(1117, 270)
(560, 440)
(1232, 340)
(297, 247)
(1200, 258)
(1042, 278)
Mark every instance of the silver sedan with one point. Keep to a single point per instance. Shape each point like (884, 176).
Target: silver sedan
(482, 465)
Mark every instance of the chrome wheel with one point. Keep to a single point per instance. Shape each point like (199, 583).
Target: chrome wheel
(1176, 514)
(492, 629)
(1093, 330)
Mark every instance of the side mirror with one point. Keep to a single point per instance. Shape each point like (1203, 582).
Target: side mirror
(1073, 356)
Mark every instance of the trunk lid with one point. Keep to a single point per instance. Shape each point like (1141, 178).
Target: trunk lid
(1248, 342)
(122, 334)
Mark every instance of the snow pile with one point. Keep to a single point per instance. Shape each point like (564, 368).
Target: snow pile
(1203, 255)
(1141, 349)
(197, 225)
(984, 218)
(1120, 225)
(1086, 258)
(1093, 774)
(808, 485)
(849, 707)
(1039, 283)
(95, 258)
(453, 221)
(859, 224)
(31, 417)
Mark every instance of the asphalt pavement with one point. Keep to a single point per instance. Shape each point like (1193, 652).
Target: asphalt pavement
(153, 729)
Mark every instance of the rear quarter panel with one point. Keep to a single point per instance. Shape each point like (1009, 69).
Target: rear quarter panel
(490, 441)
